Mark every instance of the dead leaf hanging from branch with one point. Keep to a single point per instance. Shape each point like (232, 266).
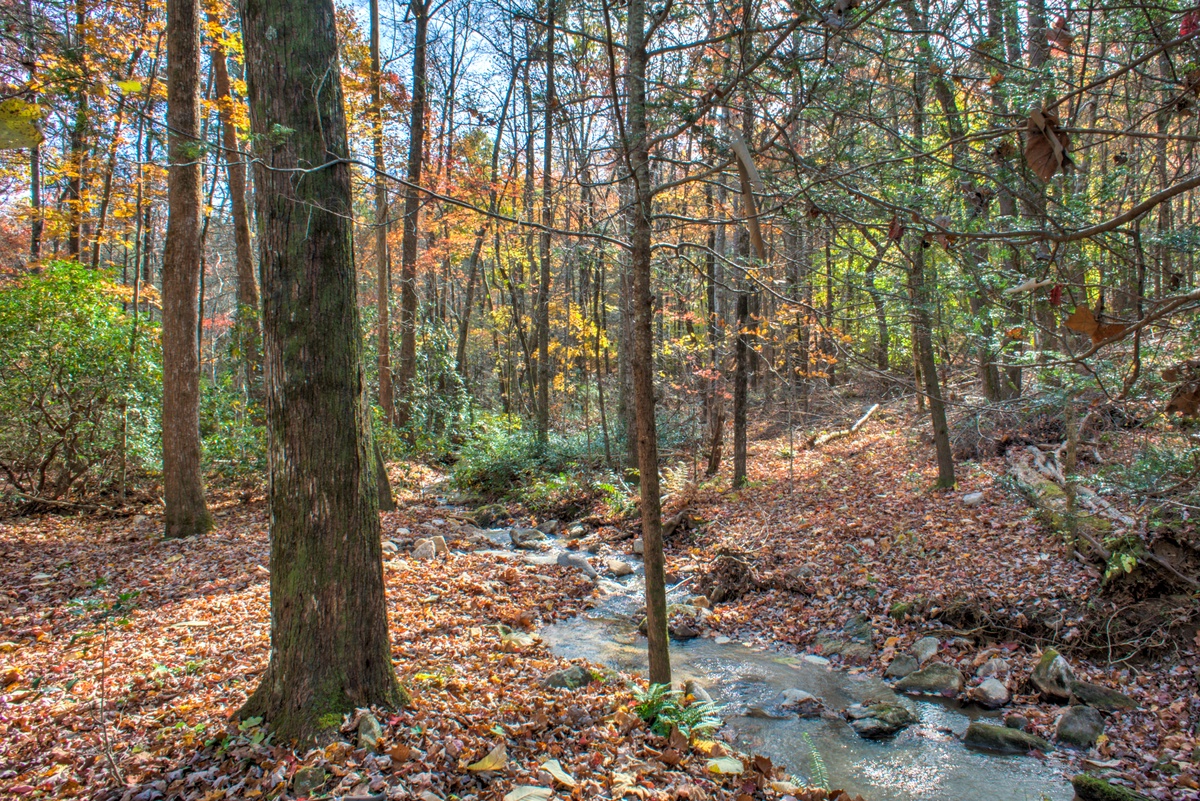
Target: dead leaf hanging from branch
(1046, 146)
(1085, 322)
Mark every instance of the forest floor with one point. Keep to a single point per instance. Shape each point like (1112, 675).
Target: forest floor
(102, 620)
(855, 529)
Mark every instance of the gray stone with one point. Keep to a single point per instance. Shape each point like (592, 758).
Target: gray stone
(424, 549)
(1093, 788)
(485, 516)
(390, 547)
(693, 688)
(1003, 740)
(576, 530)
(925, 649)
(936, 679)
(618, 567)
(548, 526)
(578, 562)
(879, 720)
(1100, 697)
(972, 499)
(571, 678)
(700, 602)
(1016, 722)
(901, 666)
(639, 546)
(369, 732)
(439, 545)
(990, 693)
(1079, 725)
(1053, 676)
(804, 704)
(528, 539)
(859, 629)
(993, 667)
(307, 779)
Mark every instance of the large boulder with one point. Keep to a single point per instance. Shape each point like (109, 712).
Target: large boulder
(878, 720)
(990, 693)
(1079, 725)
(936, 679)
(805, 704)
(424, 549)
(1099, 697)
(527, 539)
(1053, 676)
(485, 516)
(1003, 740)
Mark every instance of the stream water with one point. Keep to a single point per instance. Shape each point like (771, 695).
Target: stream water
(926, 761)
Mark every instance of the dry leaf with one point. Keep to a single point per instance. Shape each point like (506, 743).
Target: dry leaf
(496, 759)
(725, 766)
(526, 792)
(1045, 146)
(555, 769)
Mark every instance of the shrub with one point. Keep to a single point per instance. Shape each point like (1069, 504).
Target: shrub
(79, 392)
(233, 428)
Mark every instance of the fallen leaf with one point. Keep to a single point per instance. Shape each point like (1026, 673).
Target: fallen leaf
(555, 769)
(526, 792)
(725, 766)
(496, 759)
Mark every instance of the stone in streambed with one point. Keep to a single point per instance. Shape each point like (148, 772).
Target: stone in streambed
(548, 526)
(804, 704)
(990, 693)
(1053, 676)
(1080, 726)
(1004, 740)
(925, 649)
(424, 549)
(1101, 698)
(578, 562)
(901, 666)
(879, 720)
(639, 546)
(936, 679)
(993, 667)
(527, 539)
(618, 567)
(1091, 788)
(571, 678)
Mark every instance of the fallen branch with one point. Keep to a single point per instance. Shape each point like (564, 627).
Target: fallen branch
(831, 436)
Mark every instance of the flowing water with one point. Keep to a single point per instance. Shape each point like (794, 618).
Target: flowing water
(925, 762)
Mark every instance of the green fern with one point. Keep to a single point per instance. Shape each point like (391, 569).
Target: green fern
(664, 708)
(819, 775)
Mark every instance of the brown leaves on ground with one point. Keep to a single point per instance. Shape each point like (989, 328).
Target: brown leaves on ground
(862, 529)
(173, 670)
(1046, 147)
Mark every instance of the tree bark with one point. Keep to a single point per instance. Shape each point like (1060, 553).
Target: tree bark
(330, 651)
(543, 296)
(642, 362)
(412, 206)
(186, 513)
(383, 263)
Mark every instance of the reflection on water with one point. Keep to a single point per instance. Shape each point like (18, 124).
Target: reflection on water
(925, 761)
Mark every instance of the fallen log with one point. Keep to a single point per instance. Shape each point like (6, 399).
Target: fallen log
(831, 436)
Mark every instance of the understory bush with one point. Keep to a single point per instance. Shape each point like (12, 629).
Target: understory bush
(79, 385)
(233, 428)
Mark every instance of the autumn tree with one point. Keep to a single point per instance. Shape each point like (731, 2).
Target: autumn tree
(330, 650)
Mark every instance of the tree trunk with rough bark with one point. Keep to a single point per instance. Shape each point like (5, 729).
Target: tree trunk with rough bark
(330, 651)
(543, 296)
(185, 514)
(383, 261)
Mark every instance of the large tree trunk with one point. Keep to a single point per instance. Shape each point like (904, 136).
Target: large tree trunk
(412, 206)
(186, 513)
(642, 362)
(543, 296)
(247, 333)
(329, 636)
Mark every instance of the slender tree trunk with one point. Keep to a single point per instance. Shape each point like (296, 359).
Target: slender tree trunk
(330, 651)
(412, 206)
(383, 263)
(186, 513)
(80, 129)
(543, 298)
(741, 359)
(642, 363)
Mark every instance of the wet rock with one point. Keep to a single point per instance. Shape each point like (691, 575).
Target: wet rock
(857, 650)
(804, 704)
(527, 539)
(993, 667)
(390, 547)
(576, 530)
(1053, 676)
(692, 688)
(1101, 698)
(548, 526)
(578, 562)
(700, 602)
(901, 666)
(990, 693)
(639, 546)
(879, 720)
(571, 678)
(424, 549)
(683, 621)
(1079, 725)
(307, 779)
(1091, 788)
(859, 629)
(369, 732)
(972, 499)
(439, 545)
(1017, 722)
(1004, 740)
(936, 679)
(618, 567)
(485, 516)
(925, 649)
